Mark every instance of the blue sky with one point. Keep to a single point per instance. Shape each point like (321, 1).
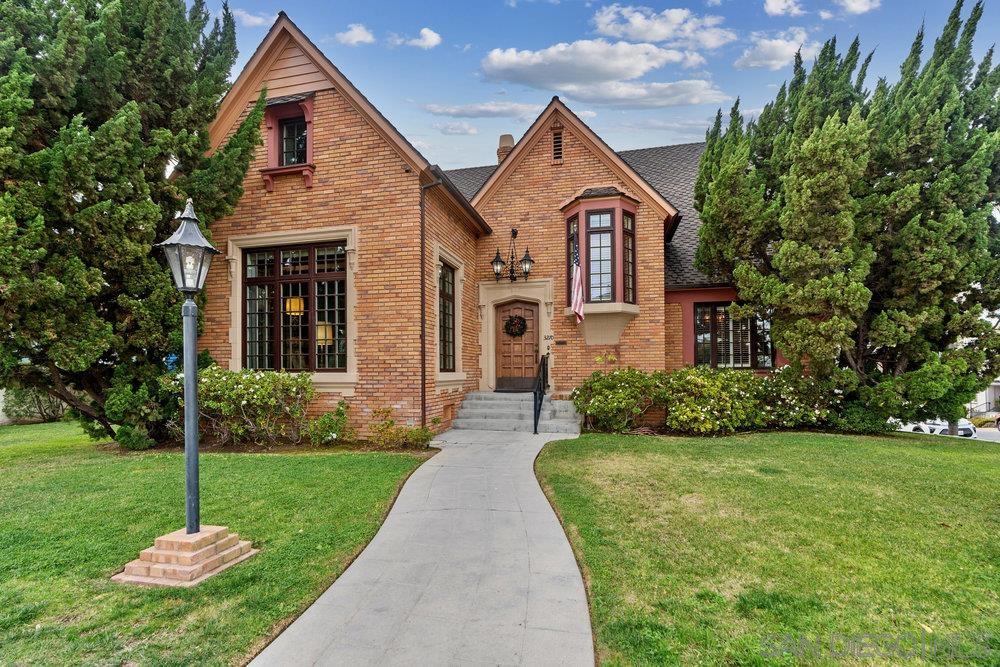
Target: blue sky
(454, 76)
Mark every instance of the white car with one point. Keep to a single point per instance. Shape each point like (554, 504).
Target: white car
(966, 429)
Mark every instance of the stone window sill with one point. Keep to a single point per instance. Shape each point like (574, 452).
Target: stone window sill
(338, 383)
(447, 381)
(269, 174)
(603, 323)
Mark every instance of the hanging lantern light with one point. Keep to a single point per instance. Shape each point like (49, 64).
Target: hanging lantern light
(498, 265)
(526, 264)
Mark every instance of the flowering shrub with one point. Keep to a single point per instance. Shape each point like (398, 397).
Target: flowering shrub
(614, 400)
(259, 407)
(706, 401)
(387, 434)
(331, 427)
(791, 400)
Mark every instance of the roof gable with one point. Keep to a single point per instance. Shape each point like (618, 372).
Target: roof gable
(557, 110)
(288, 63)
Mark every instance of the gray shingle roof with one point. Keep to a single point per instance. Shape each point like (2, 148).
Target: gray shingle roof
(470, 179)
(672, 171)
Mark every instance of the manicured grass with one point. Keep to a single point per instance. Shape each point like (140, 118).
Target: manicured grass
(73, 513)
(704, 550)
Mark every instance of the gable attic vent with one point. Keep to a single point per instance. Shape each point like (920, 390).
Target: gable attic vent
(557, 146)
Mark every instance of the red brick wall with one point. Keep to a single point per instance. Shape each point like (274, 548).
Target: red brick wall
(529, 199)
(360, 180)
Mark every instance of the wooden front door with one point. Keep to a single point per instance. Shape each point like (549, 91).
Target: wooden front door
(517, 358)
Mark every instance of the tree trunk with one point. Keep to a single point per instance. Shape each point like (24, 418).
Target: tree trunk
(952, 427)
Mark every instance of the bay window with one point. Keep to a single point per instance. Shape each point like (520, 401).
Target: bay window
(722, 341)
(600, 256)
(603, 231)
(295, 307)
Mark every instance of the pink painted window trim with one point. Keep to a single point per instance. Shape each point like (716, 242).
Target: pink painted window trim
(273, 116)
(616, 206)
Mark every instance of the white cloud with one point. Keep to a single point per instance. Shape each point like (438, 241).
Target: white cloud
(586, 114)
(582, 62)
(713, 3)
(355, 34)
(825, 14)
(776, 50)
(250, 20)
(600, 72)
(458, 128)
(428, 39)
(680, 27)
(640, 95)
(859, 6)
(485, 110)
(783, 8)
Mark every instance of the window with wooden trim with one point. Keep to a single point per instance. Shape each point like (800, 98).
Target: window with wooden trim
(292, 136)
(628, 257)
(446, 319)
(557, 145)
(722, 341)
(295, 307)
(600, 256)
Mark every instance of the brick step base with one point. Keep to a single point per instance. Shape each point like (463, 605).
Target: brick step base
(179, 559)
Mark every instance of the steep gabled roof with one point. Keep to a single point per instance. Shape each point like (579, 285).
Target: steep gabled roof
(557, 110)
(672, 170)
(304, 68)
(290, 65)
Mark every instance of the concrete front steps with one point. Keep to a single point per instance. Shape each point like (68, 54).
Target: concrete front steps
(491, 411)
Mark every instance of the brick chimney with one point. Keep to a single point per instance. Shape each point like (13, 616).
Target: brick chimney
(505, 147)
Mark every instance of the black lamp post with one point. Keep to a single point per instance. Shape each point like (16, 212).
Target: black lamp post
(514, 267)
(189, 255)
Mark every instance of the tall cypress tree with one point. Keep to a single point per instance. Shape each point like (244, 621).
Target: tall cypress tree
(901, 241)
(97, 100)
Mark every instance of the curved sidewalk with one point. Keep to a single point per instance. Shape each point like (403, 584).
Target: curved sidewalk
(470, 567)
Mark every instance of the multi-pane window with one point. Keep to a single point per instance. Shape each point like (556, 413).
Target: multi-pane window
(446, 319)
(628, 257)
(293, 141)
(295, 308)
(722, 341)
(572, 247)
(600, 256)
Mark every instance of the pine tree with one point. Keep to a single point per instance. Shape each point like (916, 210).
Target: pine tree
(887, 266)
(97, 99)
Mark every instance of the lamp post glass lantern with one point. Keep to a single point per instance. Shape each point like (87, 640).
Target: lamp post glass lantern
(189, 255)
(514, 268)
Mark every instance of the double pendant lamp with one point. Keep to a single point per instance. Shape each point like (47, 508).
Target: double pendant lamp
(512, 268)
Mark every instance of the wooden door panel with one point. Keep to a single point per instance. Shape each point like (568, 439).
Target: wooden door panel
(517, 358)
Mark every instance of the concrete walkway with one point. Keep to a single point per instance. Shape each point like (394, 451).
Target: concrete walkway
(470, 567)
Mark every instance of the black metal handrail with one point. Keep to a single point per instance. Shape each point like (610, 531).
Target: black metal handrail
(541, 384)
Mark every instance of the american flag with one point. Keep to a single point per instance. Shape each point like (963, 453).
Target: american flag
(576, 288)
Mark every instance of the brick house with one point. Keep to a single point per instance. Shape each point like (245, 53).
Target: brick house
(353, 258)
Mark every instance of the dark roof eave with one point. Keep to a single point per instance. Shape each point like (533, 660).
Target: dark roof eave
(460, 199)
(679, 287)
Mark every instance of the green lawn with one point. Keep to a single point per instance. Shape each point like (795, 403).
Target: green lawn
(707, 550)
(73, 513)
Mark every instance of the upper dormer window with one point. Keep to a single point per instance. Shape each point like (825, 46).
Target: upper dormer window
(289, 139)
(293, 141)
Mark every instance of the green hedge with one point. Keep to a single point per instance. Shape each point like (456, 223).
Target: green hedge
(706, 401)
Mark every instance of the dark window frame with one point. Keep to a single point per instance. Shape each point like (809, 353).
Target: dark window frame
(311, 277)
(282, 124)
(634, 273)
(445, 298)
(591, 232)
(713, 338)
